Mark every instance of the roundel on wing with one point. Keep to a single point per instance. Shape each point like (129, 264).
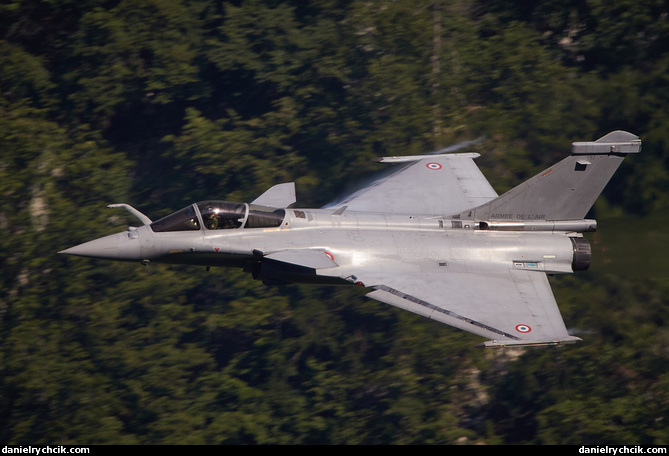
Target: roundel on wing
(523, 328)
(433, 165)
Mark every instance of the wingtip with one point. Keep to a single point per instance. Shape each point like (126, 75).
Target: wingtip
(528, 343)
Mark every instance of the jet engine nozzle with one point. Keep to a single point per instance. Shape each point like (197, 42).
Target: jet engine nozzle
(582, 254)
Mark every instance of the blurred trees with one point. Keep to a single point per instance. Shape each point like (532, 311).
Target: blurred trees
(160, 103)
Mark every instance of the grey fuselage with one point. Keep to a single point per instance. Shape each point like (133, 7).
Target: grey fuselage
(352, 239)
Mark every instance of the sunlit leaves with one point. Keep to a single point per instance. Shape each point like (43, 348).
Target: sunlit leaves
(162, 103)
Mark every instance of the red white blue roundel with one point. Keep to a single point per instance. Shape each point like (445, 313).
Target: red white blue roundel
(523, 328)
(433, 165)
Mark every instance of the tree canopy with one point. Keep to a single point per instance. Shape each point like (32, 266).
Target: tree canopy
(160, 103)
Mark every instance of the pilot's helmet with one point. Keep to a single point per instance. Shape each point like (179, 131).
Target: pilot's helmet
(211, 221)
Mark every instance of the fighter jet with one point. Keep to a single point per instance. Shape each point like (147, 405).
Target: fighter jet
(433, 238)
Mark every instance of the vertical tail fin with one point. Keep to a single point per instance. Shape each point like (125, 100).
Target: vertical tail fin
(566, 190)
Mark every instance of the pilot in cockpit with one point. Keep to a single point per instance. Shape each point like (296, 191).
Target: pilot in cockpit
(220, 215)
(211, 222)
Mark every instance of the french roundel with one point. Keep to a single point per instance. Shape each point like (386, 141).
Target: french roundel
(433, 165)
(523, 328)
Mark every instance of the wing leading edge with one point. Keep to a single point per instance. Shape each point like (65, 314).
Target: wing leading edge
(512, 308)
(428, 184)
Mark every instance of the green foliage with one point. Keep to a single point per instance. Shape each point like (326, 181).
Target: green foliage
(161, 103)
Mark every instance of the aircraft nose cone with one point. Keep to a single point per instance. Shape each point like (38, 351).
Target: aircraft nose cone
(119, 246)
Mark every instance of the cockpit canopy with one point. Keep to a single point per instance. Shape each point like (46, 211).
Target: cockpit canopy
(220, 215)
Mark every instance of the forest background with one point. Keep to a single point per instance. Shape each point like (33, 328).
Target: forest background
(160, 103)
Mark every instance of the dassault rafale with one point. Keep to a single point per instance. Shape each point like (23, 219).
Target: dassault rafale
(433, 238)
